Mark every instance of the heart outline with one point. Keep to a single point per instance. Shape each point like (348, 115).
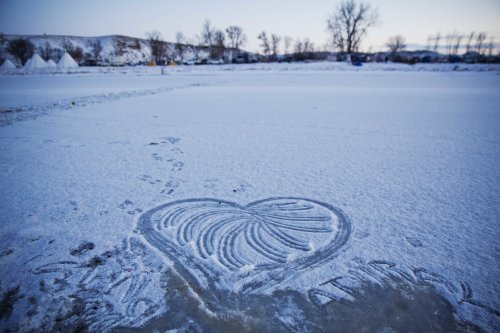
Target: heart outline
(200, 275)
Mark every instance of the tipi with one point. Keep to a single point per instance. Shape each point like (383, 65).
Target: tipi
(66, 61)
(35, 62)
(51, 63)
(7, 64)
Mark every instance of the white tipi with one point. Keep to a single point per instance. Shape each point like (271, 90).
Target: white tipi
(66, 61)
(51, 63)
(35, 62)
(7, 64)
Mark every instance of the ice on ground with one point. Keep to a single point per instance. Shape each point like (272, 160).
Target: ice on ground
(144, 188)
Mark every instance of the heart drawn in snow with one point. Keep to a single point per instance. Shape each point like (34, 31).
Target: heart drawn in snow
(219, 244)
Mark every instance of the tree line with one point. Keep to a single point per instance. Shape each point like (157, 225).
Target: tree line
(454, 42)
(347, 26)
(219, 44)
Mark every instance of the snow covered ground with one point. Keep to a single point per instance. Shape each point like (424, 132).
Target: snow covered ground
(279, 197)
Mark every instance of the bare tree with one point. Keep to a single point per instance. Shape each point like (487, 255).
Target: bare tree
(299, 47)
(491, 46)
(275, 41)
(196, 45)
(288, 42)
(437, 39)
(429, 43)
(308, 46)
(207, 35)
(96, 49)
(22, 49)
(180, 45)
(449, 43)
(468, 47)
(349, 23)
(480, 38)
(265, 45)
(303, 49)
(236, 37)
(456, 46)
(219, 44)
(396, 44)
(157, 45)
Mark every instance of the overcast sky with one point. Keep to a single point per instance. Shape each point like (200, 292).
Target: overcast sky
(415, 19)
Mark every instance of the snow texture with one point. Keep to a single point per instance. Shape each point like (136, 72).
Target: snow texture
(125, 191)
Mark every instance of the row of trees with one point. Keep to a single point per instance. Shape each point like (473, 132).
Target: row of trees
(457, 47)
(273, 43)
(215, 41)
(455, 42)
(347, 26)
(351, 20)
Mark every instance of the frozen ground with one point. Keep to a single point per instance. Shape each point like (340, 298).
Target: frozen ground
(299, 198)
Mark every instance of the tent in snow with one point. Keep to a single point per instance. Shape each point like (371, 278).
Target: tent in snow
(51, 63)
(35, 62)
(7, 64)
(66, 61)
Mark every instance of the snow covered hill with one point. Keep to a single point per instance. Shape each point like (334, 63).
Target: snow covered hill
(115, 50)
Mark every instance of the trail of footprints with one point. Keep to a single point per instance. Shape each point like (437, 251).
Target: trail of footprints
(167, 155)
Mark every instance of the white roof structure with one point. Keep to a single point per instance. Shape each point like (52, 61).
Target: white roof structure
(35, 62)
(7, 64)
(66, 61)
(51, 63)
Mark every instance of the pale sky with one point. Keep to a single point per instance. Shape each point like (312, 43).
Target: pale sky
(414, 19)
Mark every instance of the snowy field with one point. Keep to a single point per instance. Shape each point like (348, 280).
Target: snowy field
(291, 197)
